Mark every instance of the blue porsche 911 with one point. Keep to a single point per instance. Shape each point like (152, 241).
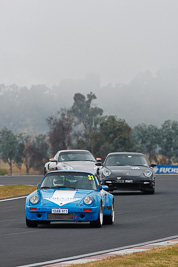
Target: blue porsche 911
(72, 196)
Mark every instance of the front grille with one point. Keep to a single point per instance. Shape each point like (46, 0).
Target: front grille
(68, 216)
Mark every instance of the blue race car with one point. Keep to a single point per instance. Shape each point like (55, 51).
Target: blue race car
(73, 196)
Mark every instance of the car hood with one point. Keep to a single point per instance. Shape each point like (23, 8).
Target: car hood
(62, 197)
(127, 170)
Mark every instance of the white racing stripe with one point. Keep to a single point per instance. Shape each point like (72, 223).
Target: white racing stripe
(62, 197)
(64, 194)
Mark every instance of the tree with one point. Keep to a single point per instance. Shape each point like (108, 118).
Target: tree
(9, 148)
(60, 133)
(84, 110)
(34, 151)
(88, 119)
(40, 152)
(114, 135)
(25, 143)
(146, 139)
(169, 140)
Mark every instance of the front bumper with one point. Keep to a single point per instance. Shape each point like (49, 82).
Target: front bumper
(129, 184)
(77, 215)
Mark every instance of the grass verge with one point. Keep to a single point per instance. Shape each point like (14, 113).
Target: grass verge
(161, 257)
(15, 190)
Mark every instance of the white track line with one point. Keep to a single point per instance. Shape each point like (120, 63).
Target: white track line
(107, 253)
(13, 198)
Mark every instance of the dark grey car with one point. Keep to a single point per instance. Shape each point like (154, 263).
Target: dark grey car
(128, 171)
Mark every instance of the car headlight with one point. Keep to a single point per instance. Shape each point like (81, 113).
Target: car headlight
(88, 200)
(66, 167)
(148, 173)
(34, 199)
(106, 172)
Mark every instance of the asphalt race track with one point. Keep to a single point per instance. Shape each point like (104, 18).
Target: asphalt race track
(139, 218)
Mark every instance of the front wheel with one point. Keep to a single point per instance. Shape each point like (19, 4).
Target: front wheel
(30, 223)
(99, 221)
(109, 219)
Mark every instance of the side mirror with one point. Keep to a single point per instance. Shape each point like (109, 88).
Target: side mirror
(53, 160)
(105, 187)
(153, 165)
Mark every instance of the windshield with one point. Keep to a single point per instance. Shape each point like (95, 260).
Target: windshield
(73, 180)
(126, 160)
(75, 156)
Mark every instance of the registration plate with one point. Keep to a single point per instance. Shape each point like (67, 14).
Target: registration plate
(60, 211)
(121, 181)
(128, 181)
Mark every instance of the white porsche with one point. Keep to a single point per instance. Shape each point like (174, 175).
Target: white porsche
(75, 159)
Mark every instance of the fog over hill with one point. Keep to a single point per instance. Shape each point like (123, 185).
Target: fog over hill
(148, 98)
(125, 52)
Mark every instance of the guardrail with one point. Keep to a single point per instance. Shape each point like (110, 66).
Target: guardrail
(166, 169)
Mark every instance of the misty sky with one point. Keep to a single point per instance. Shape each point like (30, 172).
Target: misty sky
(46, 41)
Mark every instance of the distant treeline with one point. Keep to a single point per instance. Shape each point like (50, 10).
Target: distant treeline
(83, 126)
(148, 98)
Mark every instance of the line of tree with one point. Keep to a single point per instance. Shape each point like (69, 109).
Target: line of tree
(84, 126)
(23, 148)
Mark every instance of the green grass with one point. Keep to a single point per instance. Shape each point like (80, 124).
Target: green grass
(15, 190)
(161, 257)
(3, 171)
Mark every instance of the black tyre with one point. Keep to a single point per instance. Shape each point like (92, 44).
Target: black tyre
(99, 221)
(30, 223)
(109, 219)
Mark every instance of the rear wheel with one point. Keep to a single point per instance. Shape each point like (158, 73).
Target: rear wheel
(99, 221)
(30, 223)
(109, 219)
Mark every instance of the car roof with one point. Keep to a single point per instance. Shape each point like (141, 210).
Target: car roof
(73, 150)
(126, 153)
(71, 171)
